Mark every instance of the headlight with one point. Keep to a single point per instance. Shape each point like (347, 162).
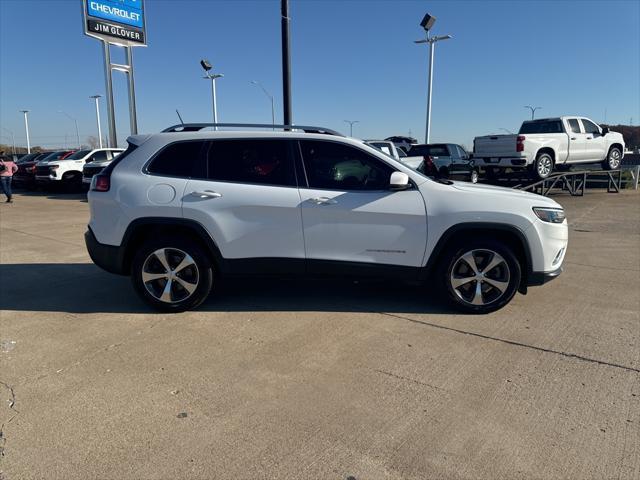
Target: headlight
(551, 215)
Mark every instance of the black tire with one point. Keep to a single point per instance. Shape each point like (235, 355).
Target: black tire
(542, 167)
(506, 274)
(613, 160)
(199, 273)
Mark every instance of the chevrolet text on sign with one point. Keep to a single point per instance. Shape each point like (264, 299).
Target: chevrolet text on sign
(120, 21)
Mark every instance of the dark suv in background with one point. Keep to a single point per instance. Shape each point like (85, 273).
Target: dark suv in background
(442, 160)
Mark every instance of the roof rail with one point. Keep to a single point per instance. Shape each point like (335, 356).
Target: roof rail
(195, 127)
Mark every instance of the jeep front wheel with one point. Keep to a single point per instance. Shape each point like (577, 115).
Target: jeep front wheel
(172, 274)
(480, 276)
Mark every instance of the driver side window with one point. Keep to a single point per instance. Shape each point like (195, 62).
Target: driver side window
(590, 127)
(335, 166)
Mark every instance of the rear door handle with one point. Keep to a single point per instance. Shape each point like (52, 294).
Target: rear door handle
(206, 194)
(573, 138)
(324, 201)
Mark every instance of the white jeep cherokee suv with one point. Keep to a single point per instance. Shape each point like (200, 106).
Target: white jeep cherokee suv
(181, 209)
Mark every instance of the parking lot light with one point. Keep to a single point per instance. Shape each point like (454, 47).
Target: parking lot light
(206, 66)
(96, 98)
(533, 110)
(26, 127)
(427, 24)
(351, 122)
(273, 110)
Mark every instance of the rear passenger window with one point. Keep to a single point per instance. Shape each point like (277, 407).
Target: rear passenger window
(574, 125)
(259, 161)
(177, 159)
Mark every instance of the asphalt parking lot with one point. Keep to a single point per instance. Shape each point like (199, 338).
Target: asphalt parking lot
(316, 379)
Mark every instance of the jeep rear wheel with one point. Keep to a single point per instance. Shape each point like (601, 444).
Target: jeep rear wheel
(172, 274)
(479, 276)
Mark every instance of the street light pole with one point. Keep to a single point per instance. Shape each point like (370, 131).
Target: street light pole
(432, 47)
(96, 98)
(76, 123)
(26, 127)
(206, 65)
(351, 122)
(533, 110)
(273, 110)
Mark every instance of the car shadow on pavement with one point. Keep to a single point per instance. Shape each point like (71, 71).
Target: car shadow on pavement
(84, 288)
(58, 193)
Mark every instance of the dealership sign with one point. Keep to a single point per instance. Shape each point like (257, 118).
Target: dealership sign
(115, 21)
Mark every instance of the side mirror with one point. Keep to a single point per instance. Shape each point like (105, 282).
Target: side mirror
(605, 130)
(399, 181)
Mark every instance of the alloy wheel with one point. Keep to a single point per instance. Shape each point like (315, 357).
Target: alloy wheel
(480, 277)
(170, 275)
(544, 166)
(614, 159)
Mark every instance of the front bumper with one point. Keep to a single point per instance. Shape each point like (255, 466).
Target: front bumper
(107, 257)
(540, 278)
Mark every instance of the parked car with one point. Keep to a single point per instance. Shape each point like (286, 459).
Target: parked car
(387, 147)
(541, 145)
(443, 160)
(403, 143)
(180, 208)
(26, 174)
(67, 170)
(99, 160)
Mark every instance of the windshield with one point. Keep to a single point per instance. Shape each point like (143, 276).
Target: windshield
(78, 155)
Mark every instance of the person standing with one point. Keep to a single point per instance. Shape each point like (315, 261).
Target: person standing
(7, 169)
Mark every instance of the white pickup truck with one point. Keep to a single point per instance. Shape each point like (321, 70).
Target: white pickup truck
(543, 144)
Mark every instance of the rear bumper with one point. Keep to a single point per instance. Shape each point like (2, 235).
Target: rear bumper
(540, 278)
(107, 257)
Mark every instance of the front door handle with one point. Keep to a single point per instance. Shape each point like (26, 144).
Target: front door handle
(589, 138)
(573, 138)
(206, 194)
(324, 201)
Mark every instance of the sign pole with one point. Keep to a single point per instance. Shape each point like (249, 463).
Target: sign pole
(111, 117)
(133, 119)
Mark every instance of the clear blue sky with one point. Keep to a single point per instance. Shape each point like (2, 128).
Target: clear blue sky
(350, 60)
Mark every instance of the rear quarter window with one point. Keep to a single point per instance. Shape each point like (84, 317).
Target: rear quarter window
(177, 159)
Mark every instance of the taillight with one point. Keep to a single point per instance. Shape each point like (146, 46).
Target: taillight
(101, 183)
(520, 143)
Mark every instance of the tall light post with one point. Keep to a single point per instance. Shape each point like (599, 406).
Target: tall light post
(533, 110)
(351, 122)
(206, 65)
(13, 139)
(427, 23)
(26, 127)
(96, 97)
(76, 123)
(273, 109)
